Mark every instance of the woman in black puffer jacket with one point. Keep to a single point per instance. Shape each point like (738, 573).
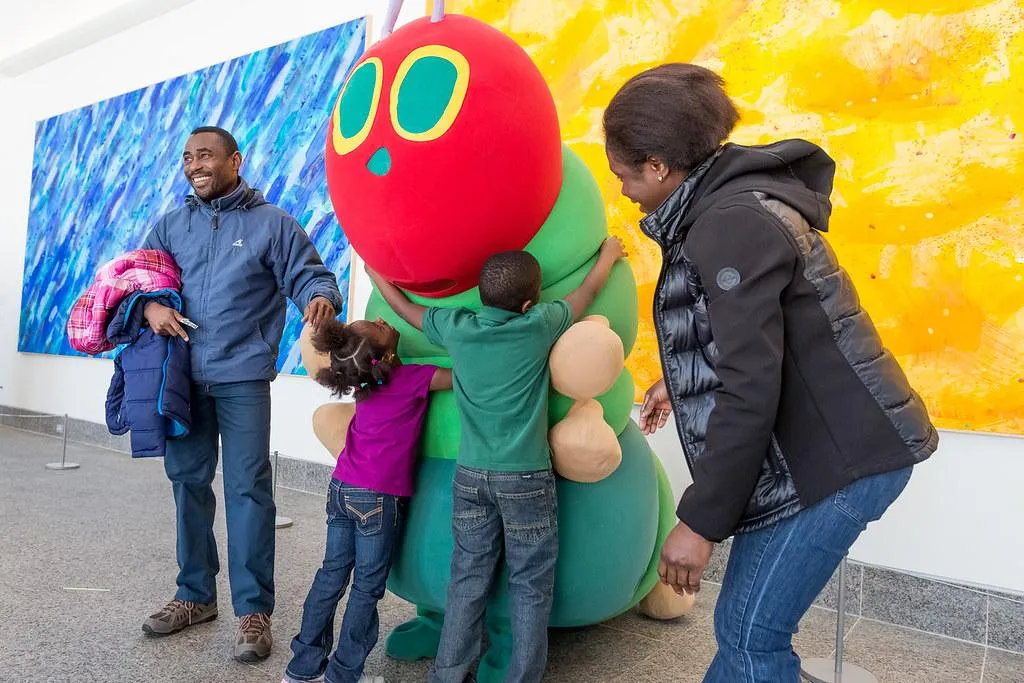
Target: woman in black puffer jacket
(798, 427)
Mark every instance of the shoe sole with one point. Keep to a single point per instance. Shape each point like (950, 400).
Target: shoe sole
(153, 633)
(250, 657)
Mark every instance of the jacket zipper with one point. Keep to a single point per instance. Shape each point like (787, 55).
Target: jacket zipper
(659, 324)
(214, 225)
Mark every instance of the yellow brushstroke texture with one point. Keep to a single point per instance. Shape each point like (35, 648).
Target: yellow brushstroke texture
(923, 110)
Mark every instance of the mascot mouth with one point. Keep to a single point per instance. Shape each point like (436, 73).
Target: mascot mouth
(431, 287)
(380, 163)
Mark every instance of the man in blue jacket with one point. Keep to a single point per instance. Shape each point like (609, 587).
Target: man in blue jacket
(240, 257)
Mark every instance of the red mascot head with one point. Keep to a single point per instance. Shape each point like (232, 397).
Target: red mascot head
(443, 149)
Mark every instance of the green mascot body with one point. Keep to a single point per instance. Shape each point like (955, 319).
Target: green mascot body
(610, 531)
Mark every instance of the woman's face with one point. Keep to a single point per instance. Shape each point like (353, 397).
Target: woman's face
(641, 184)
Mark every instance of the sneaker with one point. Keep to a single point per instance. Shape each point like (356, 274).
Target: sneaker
(178, 615)
(254, 639)
(362, 679)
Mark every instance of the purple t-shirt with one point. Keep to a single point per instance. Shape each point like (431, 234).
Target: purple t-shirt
(380, 448)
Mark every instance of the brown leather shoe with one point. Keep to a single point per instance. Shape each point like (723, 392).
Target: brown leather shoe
(254, 640)
(177, 615)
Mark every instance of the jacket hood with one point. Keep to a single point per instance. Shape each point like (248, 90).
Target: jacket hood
(242, 197)
(796, 172)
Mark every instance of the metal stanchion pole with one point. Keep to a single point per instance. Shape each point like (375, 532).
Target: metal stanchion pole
(279, 521)
(63, 464)
(822, 670)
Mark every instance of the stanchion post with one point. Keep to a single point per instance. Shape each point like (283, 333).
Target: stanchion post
(821, 670)
(279, 521)
(63, 464)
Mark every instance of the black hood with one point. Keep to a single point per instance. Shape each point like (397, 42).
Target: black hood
(796, 172)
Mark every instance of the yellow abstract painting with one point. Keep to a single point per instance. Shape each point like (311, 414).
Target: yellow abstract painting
(920, 104)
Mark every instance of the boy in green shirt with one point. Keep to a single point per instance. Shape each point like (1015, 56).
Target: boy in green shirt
(504, 486)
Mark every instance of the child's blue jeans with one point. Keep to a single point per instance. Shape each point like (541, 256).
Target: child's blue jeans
(520, 508)
(362, 532)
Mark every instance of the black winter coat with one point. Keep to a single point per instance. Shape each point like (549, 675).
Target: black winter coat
(781, 389)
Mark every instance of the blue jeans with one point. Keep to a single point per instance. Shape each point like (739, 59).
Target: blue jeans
(775, 574)
(362, 535)
(239, 413)
(522, 507)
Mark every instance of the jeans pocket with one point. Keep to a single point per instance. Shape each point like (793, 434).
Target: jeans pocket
(367, 512)
(467, 513)
(866, 500)
(469, 520)
(527, 514)
(335, 506)
(460, 490)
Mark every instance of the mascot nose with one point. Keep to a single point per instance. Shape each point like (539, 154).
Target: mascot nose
(380, 163)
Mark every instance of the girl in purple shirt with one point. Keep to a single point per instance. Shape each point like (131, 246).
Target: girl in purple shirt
(365, 499)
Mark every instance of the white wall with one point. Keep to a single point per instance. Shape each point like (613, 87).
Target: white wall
(959, 518)
(199, 34)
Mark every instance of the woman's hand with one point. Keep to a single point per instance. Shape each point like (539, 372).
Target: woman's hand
(656, 408)
(684, 557)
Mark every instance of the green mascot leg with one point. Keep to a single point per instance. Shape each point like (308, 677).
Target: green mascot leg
(494, 664)
(418, 638)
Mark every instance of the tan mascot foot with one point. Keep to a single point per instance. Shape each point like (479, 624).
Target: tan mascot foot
(585, 363)
(663, 603)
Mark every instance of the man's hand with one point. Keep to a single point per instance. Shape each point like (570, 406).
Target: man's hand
(684, 557)
(318, 310)
(164, 320)
(656, 408)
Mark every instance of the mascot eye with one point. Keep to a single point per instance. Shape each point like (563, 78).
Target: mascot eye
(428, 92)
(357, 106)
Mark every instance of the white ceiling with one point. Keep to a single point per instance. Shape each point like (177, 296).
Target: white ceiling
(35, 32)
(24, 24)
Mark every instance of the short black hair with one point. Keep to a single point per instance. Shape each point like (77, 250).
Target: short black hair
(678, 113)
(510, 279)
(227, 138)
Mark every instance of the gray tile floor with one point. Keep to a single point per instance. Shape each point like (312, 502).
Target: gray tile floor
(86, 554)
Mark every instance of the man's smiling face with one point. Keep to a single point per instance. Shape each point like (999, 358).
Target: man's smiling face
(209, 167)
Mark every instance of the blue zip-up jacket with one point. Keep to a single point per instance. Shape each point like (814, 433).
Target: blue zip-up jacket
(240, 257)
(149, 393)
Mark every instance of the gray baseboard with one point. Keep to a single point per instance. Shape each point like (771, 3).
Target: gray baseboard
(970, 613)
(973, 614)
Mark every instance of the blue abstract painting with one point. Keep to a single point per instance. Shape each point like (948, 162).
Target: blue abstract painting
(103, 174)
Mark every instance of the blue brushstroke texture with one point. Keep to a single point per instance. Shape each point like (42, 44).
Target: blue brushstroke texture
(103, 174)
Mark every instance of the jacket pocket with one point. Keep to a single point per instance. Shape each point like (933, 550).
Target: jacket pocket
(264, 345)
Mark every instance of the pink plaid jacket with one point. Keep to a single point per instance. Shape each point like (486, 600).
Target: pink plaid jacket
(146, 270)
